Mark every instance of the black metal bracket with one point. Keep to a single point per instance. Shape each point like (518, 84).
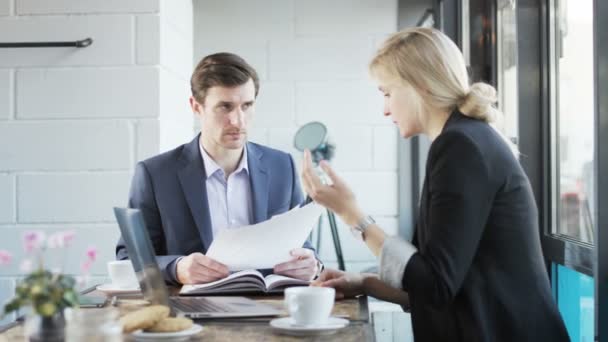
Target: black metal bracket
(78, 43)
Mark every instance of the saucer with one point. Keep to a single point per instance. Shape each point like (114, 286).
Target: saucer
(112, 289)
(287, 326)
(183, 335)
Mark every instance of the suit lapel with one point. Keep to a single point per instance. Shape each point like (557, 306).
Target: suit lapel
(258, 178)
(193, 183)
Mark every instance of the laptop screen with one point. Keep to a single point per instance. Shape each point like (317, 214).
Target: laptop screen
(141, 253)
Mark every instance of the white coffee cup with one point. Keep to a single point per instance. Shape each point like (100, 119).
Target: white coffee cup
(122, 274)
(309, 305)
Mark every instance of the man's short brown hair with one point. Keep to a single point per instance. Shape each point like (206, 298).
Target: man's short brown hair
(222, 69)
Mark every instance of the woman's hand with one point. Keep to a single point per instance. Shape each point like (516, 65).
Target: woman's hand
(336, 197)
(346, 284)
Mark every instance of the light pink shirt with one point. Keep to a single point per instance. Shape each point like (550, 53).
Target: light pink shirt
(229, 199)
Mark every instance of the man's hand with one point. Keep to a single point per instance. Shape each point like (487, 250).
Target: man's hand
(303, 265)
(346, 284)
(198, 268)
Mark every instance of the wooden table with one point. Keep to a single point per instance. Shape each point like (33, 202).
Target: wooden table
(258, 329)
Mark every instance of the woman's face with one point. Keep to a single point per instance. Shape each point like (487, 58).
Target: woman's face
(402, 105)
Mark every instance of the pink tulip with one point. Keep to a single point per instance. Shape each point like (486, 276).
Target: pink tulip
(5, 257)
(92, 253)
(68, 237)
(33, 240)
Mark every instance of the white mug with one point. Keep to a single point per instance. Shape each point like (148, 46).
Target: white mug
(309, 305)
(122, 274)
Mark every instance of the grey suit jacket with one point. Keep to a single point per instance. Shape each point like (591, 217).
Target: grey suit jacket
(170, 190)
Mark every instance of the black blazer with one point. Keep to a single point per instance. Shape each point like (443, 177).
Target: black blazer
(479, 273)
(170, 190)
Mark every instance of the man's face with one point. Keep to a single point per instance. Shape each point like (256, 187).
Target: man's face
(226, 114)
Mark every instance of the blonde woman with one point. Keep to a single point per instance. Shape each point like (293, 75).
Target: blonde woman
(474, 270)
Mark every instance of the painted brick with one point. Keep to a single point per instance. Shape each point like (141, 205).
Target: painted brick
(178, 13)
(255, 52)
(353, 147)
(77, 197)
(340, 103)
(385, 148)
(112, 40)
(147, 139)
(319, 59)
(147, 39)
(7, 198)
(345, 17)
(176, 117)
(7, 291)
(258, 135)
(282, 139)
(88, 93)
(247, 19)
(102, 237)
(5, 7)
(6, 94)
(86, 6)
(176, 51)
(275, 106)
(64, 145)
(375, 191)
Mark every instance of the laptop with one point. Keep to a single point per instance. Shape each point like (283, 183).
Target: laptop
(152, 283)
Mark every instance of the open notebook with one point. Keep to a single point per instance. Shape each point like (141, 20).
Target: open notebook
(244, 281)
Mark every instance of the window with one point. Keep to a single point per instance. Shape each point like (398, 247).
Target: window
(572, 118)
(506, 32)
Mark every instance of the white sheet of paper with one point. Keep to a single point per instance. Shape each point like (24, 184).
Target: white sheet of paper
(267, 243)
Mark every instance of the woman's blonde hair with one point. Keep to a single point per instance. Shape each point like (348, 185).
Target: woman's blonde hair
(432, 64)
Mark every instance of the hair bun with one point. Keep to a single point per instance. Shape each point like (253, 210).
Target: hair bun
(478, 103)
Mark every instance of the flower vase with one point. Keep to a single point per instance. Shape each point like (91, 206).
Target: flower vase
(46, 328)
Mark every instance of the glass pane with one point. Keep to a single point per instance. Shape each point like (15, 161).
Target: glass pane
(507, 67)
(573, 116)
(575, 300)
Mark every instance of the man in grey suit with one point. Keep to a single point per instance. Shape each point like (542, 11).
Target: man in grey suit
(217, 181)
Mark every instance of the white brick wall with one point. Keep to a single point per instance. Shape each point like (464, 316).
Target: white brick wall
(71, 197)
(312, 58)
(385, 148)
(7, 198)
(147, 33)
(343, 17)
(5, 7)
(73, 122)
(88, 92)
(6, 95)
(322, 59)
(343, 102)
(112, 40)
(85, 6)
(65, 145)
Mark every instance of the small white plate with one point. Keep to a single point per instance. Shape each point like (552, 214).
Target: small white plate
(183, 335)
(111, 289)
(287, 326)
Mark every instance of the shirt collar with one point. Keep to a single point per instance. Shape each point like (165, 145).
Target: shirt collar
(211, 166)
